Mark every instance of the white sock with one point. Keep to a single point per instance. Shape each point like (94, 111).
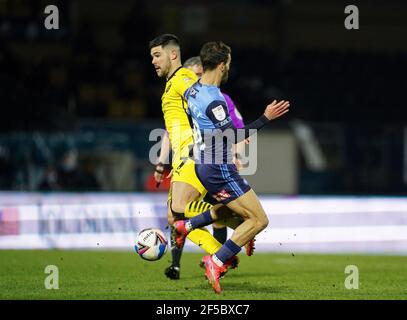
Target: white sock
(217, 261)
(188, 226)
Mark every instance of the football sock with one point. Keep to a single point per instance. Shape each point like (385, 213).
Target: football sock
(200, 220)
(220, 234)
(205, 240)
(176, 255)
(227, 251)
(194, 208)
(201, 236)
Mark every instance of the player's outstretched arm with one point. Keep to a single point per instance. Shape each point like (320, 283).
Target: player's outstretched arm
(272, 111)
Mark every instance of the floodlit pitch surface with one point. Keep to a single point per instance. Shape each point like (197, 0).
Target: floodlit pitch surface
(123, 275)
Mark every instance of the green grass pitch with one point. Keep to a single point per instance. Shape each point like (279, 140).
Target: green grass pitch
(123, 275)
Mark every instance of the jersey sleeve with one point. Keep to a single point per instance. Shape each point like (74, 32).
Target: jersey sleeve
(218, 113)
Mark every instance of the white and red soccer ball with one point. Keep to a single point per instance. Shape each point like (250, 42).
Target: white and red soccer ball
(151, 244)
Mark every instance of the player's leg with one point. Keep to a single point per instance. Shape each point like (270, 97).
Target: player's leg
(173, 271)
(226, 218)
(182, 194)
(220, 188)
(246, 216)
(238, 212)
(250, 209)
(193, 209)
(196, 207)
(220, 232)
(217, 264)
(232, 221)
(228, 187)
(224, 184)
(186, 188)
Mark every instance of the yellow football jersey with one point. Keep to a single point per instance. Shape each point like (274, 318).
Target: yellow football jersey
(176, 119)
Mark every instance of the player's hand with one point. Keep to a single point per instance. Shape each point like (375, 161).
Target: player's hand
(247, 141)
(276, 109)
(170, 174)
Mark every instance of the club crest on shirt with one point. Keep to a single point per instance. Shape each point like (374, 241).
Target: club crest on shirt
(219, 113)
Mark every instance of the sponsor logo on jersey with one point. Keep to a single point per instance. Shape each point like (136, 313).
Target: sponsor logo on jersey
(221, 195)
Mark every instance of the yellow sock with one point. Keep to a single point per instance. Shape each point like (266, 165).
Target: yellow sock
(205, 240)
(194, 208)
(201, 237)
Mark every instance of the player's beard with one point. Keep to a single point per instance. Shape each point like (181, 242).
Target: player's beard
(164, 70)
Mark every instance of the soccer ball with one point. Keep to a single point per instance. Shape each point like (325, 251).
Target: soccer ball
(151, 244)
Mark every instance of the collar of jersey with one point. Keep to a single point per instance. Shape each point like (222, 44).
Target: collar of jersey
(206, 85)
(173, 74)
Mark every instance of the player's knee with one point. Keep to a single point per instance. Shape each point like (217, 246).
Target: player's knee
(174, 214)
(170, 217)
(178, 206)
(263, 222)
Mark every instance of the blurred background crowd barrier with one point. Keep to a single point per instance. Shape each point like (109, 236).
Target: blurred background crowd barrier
(112, 221)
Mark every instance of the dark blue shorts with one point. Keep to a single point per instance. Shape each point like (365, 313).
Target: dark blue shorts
(222, 181)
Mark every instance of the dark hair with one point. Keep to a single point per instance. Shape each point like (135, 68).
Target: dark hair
(164, 40)
(192, 62)
(213, 53)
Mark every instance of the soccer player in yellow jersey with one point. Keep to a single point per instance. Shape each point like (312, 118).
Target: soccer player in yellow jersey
(185, 186)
